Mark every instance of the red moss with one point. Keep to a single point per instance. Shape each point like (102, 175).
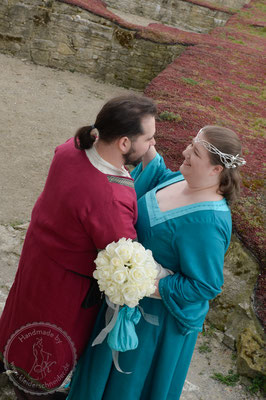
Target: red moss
(98, 7)
(211, 6)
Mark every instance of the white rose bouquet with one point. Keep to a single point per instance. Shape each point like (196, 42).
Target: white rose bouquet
(126, 272)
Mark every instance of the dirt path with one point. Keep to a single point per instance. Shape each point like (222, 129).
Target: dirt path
(41, 108)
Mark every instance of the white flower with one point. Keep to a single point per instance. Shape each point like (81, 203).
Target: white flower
(139, 257)
(137, 274)
(124, 251)
(120, 275)
(131, 295)
(102, 258)
(117, 262)
(110, 249)
(103, 273)
(111, 289)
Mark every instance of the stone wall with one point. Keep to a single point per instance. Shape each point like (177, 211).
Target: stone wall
(58, 35)
(178, 13)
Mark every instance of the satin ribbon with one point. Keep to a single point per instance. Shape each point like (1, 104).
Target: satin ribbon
(111, 321)
(104, 332)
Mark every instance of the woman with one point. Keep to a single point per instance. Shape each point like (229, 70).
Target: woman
(185, 220)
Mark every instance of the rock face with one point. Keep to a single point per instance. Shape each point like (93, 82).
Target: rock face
(59, 35)
(181, 14)
(233, 313)
(251, 358)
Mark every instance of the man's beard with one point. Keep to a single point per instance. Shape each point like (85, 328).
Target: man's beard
(129, 158)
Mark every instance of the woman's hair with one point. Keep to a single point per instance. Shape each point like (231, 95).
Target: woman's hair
(226, 141)
(120, 116)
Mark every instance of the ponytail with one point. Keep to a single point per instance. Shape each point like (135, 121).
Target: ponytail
(84, 138)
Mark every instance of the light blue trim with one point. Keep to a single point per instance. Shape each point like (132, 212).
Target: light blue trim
(156, 216)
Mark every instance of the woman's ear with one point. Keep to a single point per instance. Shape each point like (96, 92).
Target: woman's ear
(124, 144)
(217, 169)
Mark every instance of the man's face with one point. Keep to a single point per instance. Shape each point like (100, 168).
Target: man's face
(142, 143)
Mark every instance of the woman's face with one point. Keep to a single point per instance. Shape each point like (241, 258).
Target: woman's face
(196, 162)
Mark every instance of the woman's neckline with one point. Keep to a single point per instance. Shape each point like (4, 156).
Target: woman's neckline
(183, 207)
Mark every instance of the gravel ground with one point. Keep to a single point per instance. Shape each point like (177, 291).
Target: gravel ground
(41, 108)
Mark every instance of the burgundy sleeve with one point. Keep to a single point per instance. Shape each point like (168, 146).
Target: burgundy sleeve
(112, 222)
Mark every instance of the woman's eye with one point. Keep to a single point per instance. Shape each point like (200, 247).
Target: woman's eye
(196, 153)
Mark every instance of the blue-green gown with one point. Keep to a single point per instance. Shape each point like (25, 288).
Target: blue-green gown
(191, 241)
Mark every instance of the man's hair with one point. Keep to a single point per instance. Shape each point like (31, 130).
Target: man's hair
(120, 116)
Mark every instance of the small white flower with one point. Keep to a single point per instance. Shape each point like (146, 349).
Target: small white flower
(117, 262)
(120, 275)
(102, 259)
(124, 251)
(137, 274)
(131, 295)
(110, 249)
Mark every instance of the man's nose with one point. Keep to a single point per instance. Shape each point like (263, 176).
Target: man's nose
(185, 152)
(153, 142)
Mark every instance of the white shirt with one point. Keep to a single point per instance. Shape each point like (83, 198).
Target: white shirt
(104, 166)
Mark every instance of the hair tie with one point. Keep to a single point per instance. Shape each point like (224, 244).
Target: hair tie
(94, 134)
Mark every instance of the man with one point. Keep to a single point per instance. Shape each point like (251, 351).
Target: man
(88, 201)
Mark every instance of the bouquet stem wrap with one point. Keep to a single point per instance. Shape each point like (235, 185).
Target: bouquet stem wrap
(120, 329)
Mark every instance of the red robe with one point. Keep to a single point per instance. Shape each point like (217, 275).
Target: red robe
(79, 211)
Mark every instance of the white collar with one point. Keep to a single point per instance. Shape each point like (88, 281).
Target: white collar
(104, 166)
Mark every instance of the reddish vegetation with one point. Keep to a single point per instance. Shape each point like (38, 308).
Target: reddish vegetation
(211, 6)
(98, 7)
(217, 80)
(221, 82)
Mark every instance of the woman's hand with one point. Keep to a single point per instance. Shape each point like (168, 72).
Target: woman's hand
(157, 293)
(148, 156)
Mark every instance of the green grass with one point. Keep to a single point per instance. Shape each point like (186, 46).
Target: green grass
(235, 40)
(13, 224)
(204, 348)
(169, 116)
(217, 98)
(249, 87)
(208, 332)
(257, 384)
(189, 81)
(229, 380)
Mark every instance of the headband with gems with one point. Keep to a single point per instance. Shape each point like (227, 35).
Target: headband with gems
(228, 160)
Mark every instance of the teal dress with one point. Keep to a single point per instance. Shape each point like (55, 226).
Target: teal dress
(191, 241)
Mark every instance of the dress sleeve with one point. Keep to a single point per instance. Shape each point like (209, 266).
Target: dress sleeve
(152, 175)
(200, 252)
